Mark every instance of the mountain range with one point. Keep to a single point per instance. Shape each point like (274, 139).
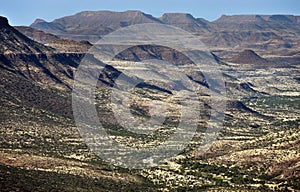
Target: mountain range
(257, 149)
(263, 33)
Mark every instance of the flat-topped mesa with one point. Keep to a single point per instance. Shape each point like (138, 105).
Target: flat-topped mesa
(257, 18)
(3, 21)
(175, 16)
(92, 25)
(239, 18)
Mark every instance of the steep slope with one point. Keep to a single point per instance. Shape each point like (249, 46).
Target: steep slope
(12, 41)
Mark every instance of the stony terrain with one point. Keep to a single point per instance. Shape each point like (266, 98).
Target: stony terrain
(258, 148)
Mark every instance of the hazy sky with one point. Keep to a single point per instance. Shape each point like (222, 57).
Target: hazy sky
(24, 12)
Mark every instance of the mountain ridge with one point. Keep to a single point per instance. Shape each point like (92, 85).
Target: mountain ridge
(263, 33)
(11, 38)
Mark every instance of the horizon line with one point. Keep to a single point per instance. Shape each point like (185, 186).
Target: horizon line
(157, 17)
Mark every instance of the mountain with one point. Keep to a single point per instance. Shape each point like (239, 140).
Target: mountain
(240, 22)
(56, 67)
(186, 22)
(41, 148)
(265, 34)
(260, 32)
(91, 25)
(257, 22)
(249, 57)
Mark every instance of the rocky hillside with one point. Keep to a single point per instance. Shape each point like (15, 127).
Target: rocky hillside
(13, 42)
(32, 60)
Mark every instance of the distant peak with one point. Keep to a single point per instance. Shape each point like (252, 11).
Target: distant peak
(38, 21)
(3, 20)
